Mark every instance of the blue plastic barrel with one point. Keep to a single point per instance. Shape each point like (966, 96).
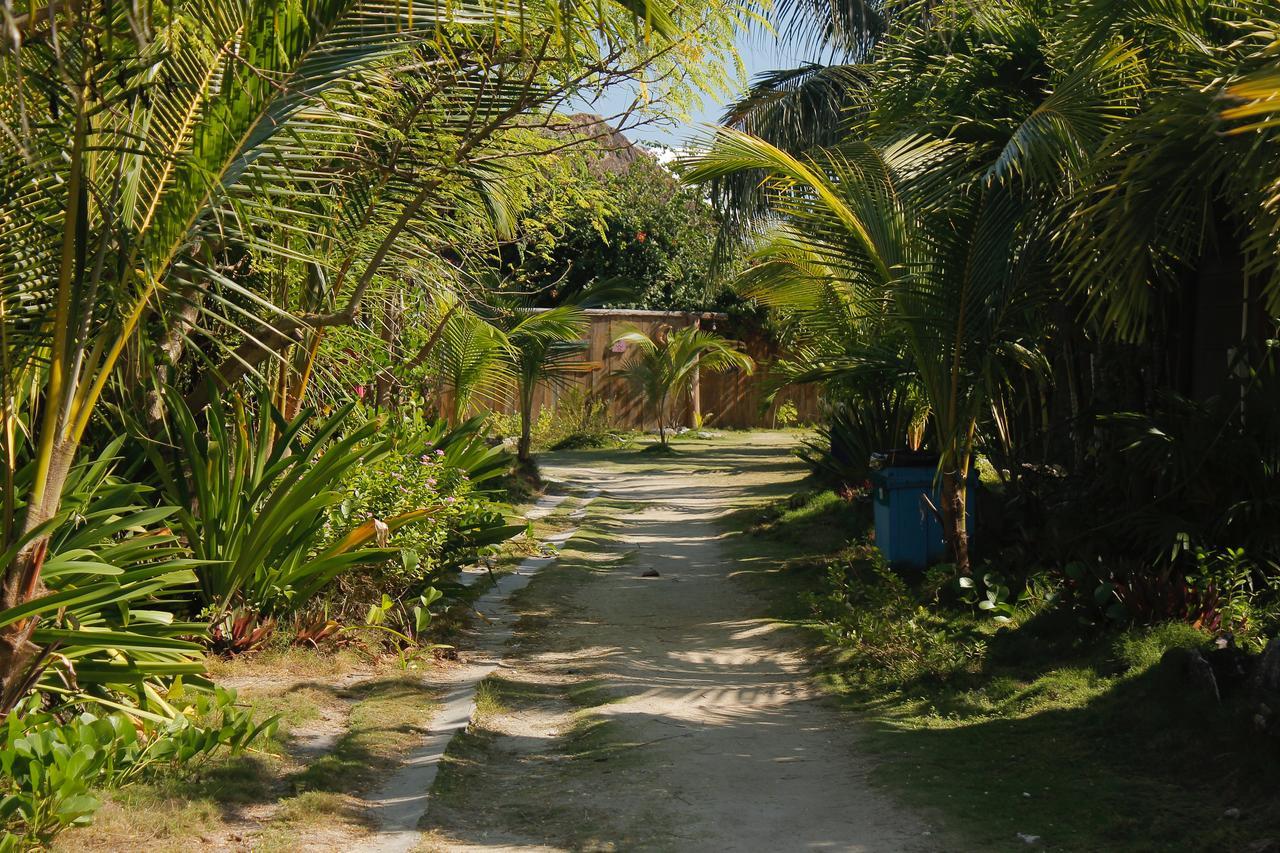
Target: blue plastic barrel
(908, 532)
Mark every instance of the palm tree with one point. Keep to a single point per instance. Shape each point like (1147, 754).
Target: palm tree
(486, 351)
(661, 369)
(542, 345)
(468, 361)
(920, 250)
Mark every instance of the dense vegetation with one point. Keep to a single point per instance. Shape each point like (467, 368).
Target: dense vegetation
(1042, 238)
(246, 306)
(267, 263)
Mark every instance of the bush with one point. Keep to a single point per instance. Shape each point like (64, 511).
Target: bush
(53, 766)
(254, 490)
(868, 610)
(433, 470)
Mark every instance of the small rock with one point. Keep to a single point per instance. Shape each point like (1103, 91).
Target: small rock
(1263, 845)
(1026, 794)
(1191, 669)
(1029, 839)
(1266, 673)
(650, 573)
(1232, 814)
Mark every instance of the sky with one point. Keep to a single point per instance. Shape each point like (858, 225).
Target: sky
(760, 51)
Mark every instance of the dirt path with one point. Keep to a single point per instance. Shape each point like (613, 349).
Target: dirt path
(661, 712)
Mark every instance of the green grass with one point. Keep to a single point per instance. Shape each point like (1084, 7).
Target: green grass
(388, 718)
(1049, 728)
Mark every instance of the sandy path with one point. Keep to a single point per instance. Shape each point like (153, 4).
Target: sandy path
(729, 747)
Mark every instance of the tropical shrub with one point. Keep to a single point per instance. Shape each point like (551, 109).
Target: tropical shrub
(255, 492)
(54, 764)
(440, 476)
(115, 578)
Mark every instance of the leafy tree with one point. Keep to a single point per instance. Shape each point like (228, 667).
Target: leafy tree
(639, 224)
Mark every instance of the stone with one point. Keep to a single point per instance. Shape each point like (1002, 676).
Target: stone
(650, 573)
(1183, 668)
(1231, 814)
(1266, 673)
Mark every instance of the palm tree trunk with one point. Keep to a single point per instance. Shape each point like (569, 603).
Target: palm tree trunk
(662, 423)
(524, 447)
(954, 529)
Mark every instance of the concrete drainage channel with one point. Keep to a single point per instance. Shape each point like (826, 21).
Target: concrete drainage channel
(402, 802)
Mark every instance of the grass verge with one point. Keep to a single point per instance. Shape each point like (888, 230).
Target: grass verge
(1078, 739)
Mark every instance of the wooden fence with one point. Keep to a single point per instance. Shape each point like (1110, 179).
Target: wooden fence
(729, 400)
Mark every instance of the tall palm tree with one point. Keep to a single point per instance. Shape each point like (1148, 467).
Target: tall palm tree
(661, 368)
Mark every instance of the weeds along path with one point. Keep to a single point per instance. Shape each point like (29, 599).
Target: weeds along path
(663, 712)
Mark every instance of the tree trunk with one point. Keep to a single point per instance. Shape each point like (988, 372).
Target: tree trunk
(182, 320)
(19, 657)
(954, 529)
(525, 446)
(392, 320)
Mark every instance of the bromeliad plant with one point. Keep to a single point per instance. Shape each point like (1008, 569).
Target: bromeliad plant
(254, 493)
(661, 368)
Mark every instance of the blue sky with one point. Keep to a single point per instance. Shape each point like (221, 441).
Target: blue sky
(760, 51)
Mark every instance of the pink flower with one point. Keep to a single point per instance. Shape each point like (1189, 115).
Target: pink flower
(439, 452)
(359, 389)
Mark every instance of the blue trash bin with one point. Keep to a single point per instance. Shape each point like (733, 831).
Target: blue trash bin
(908, 532)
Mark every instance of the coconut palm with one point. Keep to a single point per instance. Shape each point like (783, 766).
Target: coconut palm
(543, 345)
(917, 246)
(661, 368)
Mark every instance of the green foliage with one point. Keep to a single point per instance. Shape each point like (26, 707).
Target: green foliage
(106, 624)
(578, 420)
(870, 613)
(52, 766)
(989, 594)
(433, 473)
(255, 492)
(840, 453)
(644, 227)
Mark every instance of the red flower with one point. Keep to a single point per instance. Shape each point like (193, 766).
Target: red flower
(641, 236)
